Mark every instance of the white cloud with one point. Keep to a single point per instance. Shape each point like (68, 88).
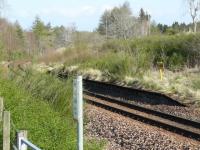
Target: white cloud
(72, 13)
(89, 9)
(107, 7)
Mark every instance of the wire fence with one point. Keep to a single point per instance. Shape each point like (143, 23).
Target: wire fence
(16, 137)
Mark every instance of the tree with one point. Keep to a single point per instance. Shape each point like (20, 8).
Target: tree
(60, 39)
(41, 33)
(118, 22)
(145, 22)
(176, 27)
(142, 14)
(19, 35)
(39, 28)
(104, 22)
(64, 36)
(162, 28)
(194, 7)
(19, 30)
(183, 27)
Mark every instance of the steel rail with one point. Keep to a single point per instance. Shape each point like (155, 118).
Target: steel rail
(181, 126)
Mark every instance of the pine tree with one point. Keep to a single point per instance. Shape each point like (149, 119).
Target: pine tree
(41, 34)
(39, 28)
(20, 35)
(19, 31)
(142, 14)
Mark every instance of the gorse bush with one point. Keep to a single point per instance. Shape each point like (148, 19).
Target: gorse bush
(116, 65)
(176, 51)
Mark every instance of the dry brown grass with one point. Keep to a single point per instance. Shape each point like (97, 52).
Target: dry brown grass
(179, 85)
(68, 56)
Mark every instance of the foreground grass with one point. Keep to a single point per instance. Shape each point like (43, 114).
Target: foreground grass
(47, 127)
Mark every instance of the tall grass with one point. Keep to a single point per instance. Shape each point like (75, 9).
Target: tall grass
(115, 65)
(175, 51)
(56, 92)
(69, 56)
(196, 83)
(42, 105)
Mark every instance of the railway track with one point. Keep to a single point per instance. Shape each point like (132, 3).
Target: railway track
(128, 93)
(179, 125)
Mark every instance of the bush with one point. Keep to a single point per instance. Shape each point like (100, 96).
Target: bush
(56, 92)
(176, 51)
(116, 65)
(42, 105)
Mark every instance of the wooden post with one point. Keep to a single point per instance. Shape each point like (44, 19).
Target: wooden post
(21, 134)
(6, 130)
(1, 109)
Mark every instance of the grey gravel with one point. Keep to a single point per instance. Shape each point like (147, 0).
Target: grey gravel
(127, 134)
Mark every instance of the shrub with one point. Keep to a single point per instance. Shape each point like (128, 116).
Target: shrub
(176, 51)
(42, 105)
(113, 64)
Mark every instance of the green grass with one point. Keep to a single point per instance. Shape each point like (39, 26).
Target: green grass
(113, 65)
(49, 88)
(41, 104)
(176, 51)
(196, 84)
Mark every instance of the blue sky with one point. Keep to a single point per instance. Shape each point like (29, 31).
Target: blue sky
(86, 13)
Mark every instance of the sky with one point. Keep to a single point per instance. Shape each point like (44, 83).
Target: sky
(85, 14)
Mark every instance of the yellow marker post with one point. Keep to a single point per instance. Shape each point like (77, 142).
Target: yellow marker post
(161, 74)
(161, 68)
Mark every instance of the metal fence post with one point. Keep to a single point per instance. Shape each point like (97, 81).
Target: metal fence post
(6, 130)
(1, 109)
(80, 112)
(78, 109)
(21, 134)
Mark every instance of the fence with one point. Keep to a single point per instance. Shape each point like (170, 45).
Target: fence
(22, 142)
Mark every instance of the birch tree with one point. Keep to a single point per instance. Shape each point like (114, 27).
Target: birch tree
(194, 8)
(145, 22)
(118, 22)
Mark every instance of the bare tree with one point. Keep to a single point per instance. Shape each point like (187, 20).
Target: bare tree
(118, 22)
(194, 7)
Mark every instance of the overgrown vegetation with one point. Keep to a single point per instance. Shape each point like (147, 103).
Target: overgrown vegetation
(113, 65)
(41, 104)
(55, 92)
(124, 48)
(176, 52)
(135, 62)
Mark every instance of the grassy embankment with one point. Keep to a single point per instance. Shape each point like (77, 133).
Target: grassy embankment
(41, 104)
(135, 63)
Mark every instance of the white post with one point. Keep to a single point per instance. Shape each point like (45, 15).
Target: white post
(78, 109)
(1, 109)
(6, 130)
(21, 134)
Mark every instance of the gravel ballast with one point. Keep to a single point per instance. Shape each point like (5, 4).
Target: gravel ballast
(124, 133)
(179, 111)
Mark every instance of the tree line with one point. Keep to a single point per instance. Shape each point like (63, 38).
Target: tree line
(117, 23)
(39, 39)
(121, 23)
